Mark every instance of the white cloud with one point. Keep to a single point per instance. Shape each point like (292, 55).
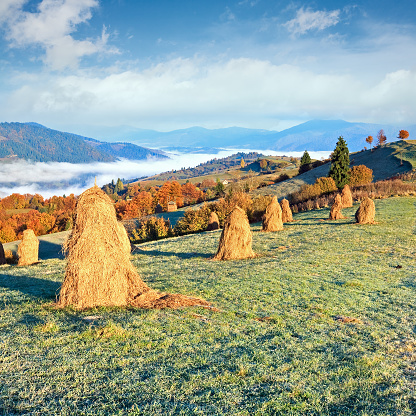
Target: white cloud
(307, 20)
(51, 27)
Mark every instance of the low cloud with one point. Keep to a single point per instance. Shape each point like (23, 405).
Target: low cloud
(185, 92)
(18, 177)
(307, 20)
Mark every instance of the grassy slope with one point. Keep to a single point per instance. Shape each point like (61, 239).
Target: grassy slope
(276, 346)
(385, 163)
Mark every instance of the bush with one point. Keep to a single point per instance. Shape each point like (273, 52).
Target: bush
(360, 175)
(194, 220)
(151, 229)
(258, 208)
(327, 185)
(306, 192)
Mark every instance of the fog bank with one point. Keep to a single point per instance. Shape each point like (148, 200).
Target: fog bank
(54, 178)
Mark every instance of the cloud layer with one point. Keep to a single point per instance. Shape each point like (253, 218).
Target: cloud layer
(14, 176)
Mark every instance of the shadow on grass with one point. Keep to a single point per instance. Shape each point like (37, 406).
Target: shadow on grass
(48, 250)
(31, 286)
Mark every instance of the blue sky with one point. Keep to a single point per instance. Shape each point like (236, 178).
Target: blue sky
(83, 65)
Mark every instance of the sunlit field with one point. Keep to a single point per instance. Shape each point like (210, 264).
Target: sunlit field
(321, 322)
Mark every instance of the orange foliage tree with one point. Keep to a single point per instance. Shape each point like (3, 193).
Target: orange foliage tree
(369, 140)
(360, 175)
(403, 134)
(191, 194)
(381, 138)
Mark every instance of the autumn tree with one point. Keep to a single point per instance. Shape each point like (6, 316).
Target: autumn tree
(191, 194)
(360, 175)
(242, 163)
(381, 138)
(263, 163)
(369, 140)
(340, 164)
(403, 134)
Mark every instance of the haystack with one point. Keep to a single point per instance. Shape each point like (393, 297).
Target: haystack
(28, 250)
(235, 240)
(99, 271)
(346, 197)
(286, 211)
(2, 255)
(272, 218)
(335, 213)
(366, 212)
(213, 222)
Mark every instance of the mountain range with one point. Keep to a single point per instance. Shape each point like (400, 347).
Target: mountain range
(32, 141)
(315, 135)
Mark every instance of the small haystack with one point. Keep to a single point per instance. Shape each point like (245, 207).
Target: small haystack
(272, 218)
(286, 211)
(99, 271)
(2, 255)
(366, 212)
(335, 213)
(235, 240)
(213, 222)
(346, 197)
(28, 250)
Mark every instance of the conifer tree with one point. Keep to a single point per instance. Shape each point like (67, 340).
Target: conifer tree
(305, 162)
(340, 164)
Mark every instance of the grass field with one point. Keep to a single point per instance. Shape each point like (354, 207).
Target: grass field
(322, 322)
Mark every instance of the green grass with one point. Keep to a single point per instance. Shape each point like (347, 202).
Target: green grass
(280, 344)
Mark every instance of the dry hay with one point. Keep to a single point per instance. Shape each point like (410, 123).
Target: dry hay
(346, 197)
(366, 212)
(235, 240)
(213, 222)
(99, 271)
(272, 219)
(28, 250)
(335, 213)
(286, 211)
(2, 255)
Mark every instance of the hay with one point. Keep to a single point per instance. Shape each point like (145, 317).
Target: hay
(99, 271)
(235, 240)
(28, 250)
(366, 212)
(2, 255)
(272, 219)
(335, 213)
(213, 222)
(286, 211)
(346, 197)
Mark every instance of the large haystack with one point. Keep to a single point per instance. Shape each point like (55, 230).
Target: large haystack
(286, 211)
(366, 212)
(28, 250)
(335, 213)
(99, 271)
(2, 255)
(272, 218)
(235, 240)
(346, 197)
(213, 222)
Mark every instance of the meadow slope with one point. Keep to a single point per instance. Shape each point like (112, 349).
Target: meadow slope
(322, 322)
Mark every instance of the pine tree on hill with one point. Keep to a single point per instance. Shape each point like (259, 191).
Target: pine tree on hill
(340, 164)
(305, 162)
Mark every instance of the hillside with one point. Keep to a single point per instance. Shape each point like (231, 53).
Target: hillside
(384, 161)
(312, 326)
(31, 141)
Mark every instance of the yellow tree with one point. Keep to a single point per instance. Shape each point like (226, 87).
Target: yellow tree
(242, 163)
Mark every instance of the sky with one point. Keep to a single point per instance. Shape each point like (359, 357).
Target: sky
(78, 65)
